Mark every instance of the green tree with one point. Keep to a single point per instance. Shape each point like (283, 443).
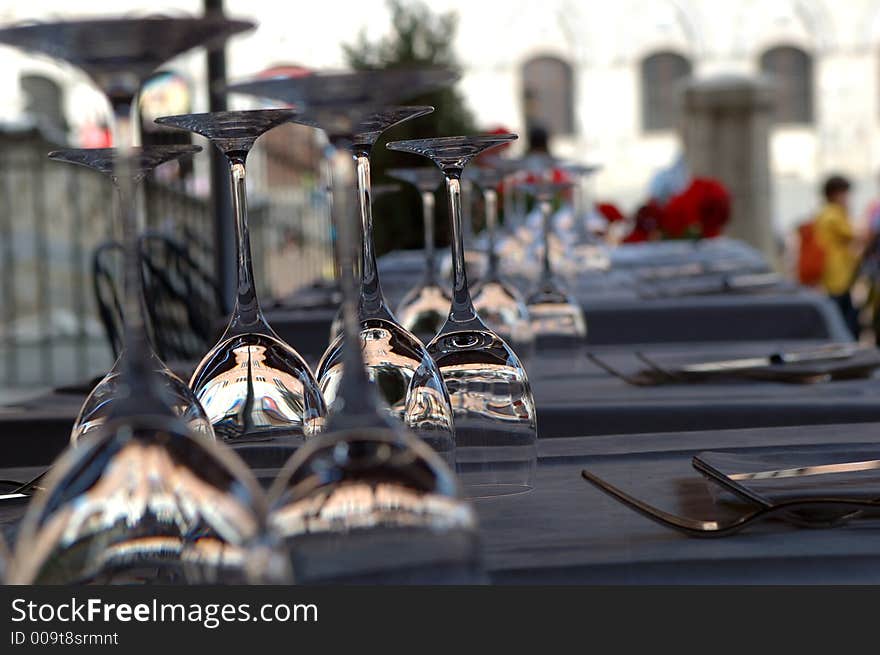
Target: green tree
(418, 37)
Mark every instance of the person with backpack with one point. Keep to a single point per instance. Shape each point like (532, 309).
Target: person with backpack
(834, 234)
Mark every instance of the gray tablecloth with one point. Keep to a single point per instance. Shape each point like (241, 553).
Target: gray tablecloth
(626, 319)
(565, 531)
(574, 397)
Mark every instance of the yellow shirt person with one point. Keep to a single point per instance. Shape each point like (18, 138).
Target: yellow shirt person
(835, 235)
(834, 232)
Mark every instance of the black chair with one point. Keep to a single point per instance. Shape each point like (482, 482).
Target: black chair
(107, 262)
(182, 298)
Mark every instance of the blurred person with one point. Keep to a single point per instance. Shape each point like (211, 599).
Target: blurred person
(836, 236)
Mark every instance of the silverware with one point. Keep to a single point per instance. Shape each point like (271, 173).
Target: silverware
(829, 353)
(23, 489)
(849, 508)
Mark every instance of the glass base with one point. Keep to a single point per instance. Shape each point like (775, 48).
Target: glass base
(255, 387)
(491, 471)
(388, 556)
(483, 491)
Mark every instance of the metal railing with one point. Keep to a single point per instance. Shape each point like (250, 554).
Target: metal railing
(53, 216)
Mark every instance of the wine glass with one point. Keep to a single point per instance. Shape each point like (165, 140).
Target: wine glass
(589, 253)
(408, 379)
(557, 318)
(99, 402)
(495, 419)
(251, 383)
(366, 500)
(498, 302)
(142, 499)
(424, 307)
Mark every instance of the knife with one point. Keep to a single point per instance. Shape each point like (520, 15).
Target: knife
(819, 354)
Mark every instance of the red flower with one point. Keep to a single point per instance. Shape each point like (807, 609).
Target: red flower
(636, 236)
(700, 210)
(680, 215)
(611, 213)
(714, 205)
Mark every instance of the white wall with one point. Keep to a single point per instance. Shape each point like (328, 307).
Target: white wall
(604, 43)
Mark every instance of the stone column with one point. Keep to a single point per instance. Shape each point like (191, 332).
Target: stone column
(726, 131)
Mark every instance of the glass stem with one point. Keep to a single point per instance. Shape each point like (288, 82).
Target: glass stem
(490, 200)
(246, 314)
(546, 214)
(579, 211)
(136, 346)
(428, 206)
(371, 300)
(508, 203)
(462, 308)
(467, 218)
(356, 398)
(522, 212)
(327, 175)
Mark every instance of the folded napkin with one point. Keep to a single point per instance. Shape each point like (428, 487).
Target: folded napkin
(823, 364)
(771, 476)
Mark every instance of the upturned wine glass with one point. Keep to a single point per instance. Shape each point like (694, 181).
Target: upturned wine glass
(496, 300)
(424, 307)
(367, 500)
(557, 318)
(142, 499)
(99, 402)
(252, 384)
(588, 252)
(495, 418)
(408, 379)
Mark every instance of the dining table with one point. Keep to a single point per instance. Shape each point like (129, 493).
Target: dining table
(565, 531)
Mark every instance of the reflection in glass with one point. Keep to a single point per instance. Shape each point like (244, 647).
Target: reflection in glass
(140, 501)
(366, 501)
(99, 402)
(555, 315)
(495, 418)
(408, 380)
(497, 301)
(424, 308)
(251, 383)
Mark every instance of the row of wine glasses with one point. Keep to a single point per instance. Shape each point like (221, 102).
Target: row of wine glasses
(547, 313)
(153, 491)
(145, 499)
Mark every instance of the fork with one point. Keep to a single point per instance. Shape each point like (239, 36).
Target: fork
(714, 529)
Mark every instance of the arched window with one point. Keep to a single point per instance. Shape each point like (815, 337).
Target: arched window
(791, 72)
(548, 94)
(662, 73)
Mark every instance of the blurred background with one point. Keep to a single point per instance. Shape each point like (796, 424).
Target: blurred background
(638, 86)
